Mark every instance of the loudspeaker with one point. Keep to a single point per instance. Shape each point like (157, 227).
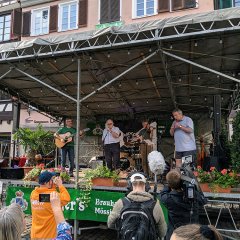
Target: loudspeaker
(210, 162)
(217, 113)
(16, 116)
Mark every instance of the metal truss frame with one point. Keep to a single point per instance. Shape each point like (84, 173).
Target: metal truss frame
(113, 39)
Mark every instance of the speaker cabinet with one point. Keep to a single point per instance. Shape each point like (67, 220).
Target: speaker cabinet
(217, 113)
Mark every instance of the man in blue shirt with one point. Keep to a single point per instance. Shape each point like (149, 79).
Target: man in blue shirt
(183, 131)
(111, 143)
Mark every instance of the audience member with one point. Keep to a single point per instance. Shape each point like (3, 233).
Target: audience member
(196, 232)
(43, 221)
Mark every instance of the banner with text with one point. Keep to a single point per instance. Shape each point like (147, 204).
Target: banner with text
(98, 209)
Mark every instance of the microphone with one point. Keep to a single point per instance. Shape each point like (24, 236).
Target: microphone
(156, 162)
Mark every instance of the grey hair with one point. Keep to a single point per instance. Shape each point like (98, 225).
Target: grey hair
(11, 222)
(177, 110)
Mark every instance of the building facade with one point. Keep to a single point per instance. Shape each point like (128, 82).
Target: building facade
(24, 19)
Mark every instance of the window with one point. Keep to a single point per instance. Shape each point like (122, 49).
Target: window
(68, 16)
(5, 28)
(40, 22)
(109, 11)
(145, 7)
(237, 3)
(183, 4)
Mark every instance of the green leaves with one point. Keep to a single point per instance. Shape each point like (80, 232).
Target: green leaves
(38, 140)
(103, 172)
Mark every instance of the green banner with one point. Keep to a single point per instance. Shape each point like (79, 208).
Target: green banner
(98, 209)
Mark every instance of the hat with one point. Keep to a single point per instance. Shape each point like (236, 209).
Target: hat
(140, 178)
(45, 177)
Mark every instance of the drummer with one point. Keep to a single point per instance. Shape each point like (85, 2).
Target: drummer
(146, 132)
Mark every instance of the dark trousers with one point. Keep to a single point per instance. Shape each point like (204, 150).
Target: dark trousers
(68, 150)
(112, 155)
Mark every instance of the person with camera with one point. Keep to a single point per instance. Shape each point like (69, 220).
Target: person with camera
(43, 222)
(138, 216)
(182, 200)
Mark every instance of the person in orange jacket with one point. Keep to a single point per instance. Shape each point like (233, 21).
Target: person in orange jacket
(43, 222)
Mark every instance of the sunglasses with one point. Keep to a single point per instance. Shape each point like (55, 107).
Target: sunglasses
(109, 124)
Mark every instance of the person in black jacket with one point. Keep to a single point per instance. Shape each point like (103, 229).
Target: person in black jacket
(180, 210)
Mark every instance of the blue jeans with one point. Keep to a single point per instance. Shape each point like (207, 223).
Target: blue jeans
(68, 150)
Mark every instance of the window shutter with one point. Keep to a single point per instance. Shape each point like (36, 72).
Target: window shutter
(163, 6)
(53, 20)
(16, 22)
(114, 10)
(83, 13)
(104, 11)
(26, 24)
(177, 4)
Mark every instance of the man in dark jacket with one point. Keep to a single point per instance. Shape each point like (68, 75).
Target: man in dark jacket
(138, 194)
(180, 211)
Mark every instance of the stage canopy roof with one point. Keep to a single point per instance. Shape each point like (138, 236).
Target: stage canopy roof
(137, 70)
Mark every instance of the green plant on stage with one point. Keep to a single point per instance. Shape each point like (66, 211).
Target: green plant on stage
(35, 141)
(34, 173)
(224, 178)
(101, 172)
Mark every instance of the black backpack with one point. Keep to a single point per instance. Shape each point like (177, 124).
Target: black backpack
(136, 221)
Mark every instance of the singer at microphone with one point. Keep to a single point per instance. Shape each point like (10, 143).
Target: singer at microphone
(111, 142)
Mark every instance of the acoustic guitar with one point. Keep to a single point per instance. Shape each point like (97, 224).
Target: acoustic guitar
(62, 139)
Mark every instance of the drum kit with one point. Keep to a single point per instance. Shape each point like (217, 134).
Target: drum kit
(130, 151)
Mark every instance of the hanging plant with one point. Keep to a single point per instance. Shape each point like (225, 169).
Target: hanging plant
(85, 187)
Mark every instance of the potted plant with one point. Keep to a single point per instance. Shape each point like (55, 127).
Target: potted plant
(102, 176)
(215, 181)
(35, 142)
(36, 171)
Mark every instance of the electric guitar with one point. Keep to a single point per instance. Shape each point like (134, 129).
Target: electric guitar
(62, 139)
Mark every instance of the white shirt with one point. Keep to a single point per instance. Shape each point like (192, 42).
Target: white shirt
(108, 138)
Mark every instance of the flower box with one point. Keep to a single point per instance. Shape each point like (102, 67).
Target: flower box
(27, 170)
(99, 181)
(205, 187)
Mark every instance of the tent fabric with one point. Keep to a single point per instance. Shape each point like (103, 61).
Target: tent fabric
(208, 17)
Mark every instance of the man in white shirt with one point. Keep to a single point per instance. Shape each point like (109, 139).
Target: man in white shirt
(111, 141)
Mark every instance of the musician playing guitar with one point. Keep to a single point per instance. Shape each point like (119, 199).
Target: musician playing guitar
(68, 144)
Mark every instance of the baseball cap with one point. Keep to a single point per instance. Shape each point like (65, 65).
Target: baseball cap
(140, 178)
(45, 177)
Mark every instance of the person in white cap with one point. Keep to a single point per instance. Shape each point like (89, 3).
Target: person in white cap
(138, 196)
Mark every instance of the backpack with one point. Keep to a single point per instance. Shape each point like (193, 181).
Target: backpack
(136, 221)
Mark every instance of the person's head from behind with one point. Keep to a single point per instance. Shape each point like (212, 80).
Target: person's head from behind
(177, 114)
(138, 181)
(196, 232)
(12, 222)
(174, 179)
(46, 179)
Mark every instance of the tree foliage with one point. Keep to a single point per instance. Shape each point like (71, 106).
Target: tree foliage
(235, 145)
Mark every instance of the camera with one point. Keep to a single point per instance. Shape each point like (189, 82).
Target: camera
(44, 197)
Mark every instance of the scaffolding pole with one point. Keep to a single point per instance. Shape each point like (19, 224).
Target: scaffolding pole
(120, 75)
(77, 138)
(46, 85)
(201, 66)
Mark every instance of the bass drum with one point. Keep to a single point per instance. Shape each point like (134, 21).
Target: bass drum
(125, 164)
